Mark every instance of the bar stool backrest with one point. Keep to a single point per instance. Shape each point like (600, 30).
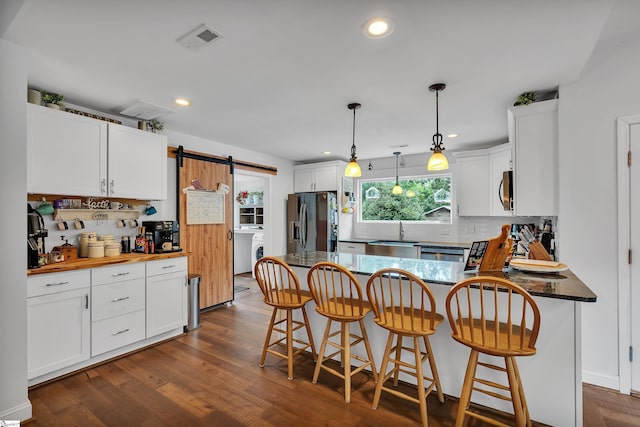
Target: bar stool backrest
(278, 282)
(402, 302)
(336, 292)
(494, 316)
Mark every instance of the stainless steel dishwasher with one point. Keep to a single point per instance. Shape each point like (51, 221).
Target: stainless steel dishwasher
(442, 253)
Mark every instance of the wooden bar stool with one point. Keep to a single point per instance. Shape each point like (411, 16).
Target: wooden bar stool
(495, 317)
(281, 289)
(404, 305)
(338, 297)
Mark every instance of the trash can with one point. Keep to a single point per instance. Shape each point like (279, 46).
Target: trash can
(193, 314)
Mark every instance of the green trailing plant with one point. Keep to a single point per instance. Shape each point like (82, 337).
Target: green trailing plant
(525, 99)
(52, 98)
(156, 125)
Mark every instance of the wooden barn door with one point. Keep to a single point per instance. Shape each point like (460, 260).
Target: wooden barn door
(210, 246)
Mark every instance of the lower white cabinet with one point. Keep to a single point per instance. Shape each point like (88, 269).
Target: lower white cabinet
(116, 332)
(58, 321)
(166, 295)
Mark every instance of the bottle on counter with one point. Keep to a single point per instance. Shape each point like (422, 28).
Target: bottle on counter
(125, 245)
(150, 246)
(141, 242)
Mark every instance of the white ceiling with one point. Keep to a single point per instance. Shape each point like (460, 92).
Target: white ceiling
(281, 77)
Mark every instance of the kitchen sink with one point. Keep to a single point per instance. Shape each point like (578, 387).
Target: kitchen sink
(395, 248)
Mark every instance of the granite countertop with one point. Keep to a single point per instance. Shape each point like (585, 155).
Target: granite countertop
(563, 285)
(82, 263)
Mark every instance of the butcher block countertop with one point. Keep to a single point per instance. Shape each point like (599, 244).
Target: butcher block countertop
(82, 263)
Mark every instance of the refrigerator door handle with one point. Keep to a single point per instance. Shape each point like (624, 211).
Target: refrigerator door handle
(303, 225)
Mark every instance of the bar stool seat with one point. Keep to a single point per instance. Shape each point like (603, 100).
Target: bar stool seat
(281, 290)
(404, 305)
(338, 297)
(494, 317)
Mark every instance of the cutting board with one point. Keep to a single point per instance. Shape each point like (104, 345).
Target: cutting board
(498, 249)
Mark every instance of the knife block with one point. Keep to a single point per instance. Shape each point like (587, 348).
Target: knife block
(498, 249)
(537, 251)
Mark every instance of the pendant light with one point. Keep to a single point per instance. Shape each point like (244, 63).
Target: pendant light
(353, 168)
(396, 188)
(437, 161)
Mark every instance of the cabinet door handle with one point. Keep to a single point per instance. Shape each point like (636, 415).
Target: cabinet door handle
(103, 186)
(112, 187)
(120, 299)
(86, 302)
(56, 284)
(169, 266)
(120, 274)
(120, 332)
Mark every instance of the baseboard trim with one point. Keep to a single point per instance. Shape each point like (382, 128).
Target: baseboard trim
(601, 380)
(21, 412)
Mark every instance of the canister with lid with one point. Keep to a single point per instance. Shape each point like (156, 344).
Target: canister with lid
(85, 239)
(96, 249)
(111, 249)
(106, 238)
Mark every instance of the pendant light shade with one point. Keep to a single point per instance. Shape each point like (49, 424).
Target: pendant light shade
(396, 188)
(437, 161)
(353, 168)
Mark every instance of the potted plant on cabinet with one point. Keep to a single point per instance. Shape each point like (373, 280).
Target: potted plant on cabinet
(52, 100)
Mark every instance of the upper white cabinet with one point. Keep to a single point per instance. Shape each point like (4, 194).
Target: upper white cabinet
(80, 156)
(472, 183)
(66, 153)
(499, 162)
(137, 164)
(318, 176)
(533, 130)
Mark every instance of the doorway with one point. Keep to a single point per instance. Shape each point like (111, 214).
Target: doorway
(251, 204)
(628, 141)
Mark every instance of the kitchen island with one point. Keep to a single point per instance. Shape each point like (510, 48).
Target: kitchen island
(552, 378)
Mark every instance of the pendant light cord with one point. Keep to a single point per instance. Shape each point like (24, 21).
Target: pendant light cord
(353, 137)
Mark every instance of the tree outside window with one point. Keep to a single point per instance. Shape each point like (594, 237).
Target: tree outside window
(423, 199)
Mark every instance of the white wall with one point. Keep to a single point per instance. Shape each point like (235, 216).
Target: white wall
(607, 89)
(276, 188)
(14, 402)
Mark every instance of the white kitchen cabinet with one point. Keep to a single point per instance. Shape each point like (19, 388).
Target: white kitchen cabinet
(352, 248)
(533, 131)
(324, 176)
(472, 183)
(499, 162)
(80, 156)
(137, 164)
(118, 306)
(58, 321)
(66, 153)
(166, 307)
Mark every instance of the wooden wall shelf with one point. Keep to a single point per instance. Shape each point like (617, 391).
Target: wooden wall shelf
(95, 214)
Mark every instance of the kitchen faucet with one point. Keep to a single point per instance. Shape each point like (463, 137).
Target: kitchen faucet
(401, 231)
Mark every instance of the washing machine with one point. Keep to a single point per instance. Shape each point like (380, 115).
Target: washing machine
(257, 250)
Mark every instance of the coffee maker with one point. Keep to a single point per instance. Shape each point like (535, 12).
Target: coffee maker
(36, 232)
(166, 235)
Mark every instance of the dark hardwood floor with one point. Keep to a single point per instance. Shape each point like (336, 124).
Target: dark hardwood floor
(210, 377)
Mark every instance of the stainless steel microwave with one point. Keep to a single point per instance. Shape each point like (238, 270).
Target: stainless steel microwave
(507, 190)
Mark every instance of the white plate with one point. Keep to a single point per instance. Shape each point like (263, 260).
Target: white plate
(538, 266)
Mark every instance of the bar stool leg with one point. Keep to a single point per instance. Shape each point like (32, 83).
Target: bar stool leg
(525, 408)
(398, 350)
(383, 371)
(268, 338)
(515, 392)
(467, 386)
(323, 347)
(346, 344)
(369, 352)
(290, 343)
(434, 369)
(306, 324)
(421, 394)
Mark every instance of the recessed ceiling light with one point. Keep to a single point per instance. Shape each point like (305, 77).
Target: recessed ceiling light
(452, 135)
(183, 102)
(326, 153)
(377, 28)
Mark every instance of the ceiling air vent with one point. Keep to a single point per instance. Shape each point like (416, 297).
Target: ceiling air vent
(199, 37)
(145, 110)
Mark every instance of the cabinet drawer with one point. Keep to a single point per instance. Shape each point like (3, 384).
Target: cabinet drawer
(117, 273)
(117, 332)
(165, 266)
(115, 299)
(44, 284)
(352, 248)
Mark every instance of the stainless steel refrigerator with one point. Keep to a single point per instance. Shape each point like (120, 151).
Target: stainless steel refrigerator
(312, 222)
